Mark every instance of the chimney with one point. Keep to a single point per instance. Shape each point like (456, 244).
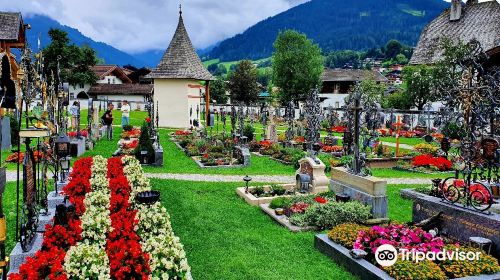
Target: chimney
(456, 10)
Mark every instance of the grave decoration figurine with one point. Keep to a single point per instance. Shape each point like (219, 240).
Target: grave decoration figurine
(471, 92)
(312, 114)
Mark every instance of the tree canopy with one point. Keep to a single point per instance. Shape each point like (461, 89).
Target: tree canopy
(75, 62)
(242, 84)
(218, 91)
(297, 66)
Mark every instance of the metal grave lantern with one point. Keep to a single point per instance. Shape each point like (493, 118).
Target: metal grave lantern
(247, 179)
(62, 145)
(302, 182)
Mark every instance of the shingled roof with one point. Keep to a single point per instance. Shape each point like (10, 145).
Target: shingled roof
(180, 61)
(121, 89)
(351, 75)
(9, 26)
(106, 70)
(480, 21)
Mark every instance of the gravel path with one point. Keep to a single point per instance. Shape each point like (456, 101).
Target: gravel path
(402, 146)
(11, 176)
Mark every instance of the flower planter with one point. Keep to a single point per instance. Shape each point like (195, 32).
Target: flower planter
(256, 201)
(362, 268)
(283, 220)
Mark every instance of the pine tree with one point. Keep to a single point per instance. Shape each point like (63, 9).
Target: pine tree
(145, 144)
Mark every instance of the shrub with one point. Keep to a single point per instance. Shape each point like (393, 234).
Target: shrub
(145, 144)
(248, 131)
(334, 213)
(278, 190)
(280, 202)
(409, 270)
(258, 191)
(346, 234)
(216, 149)
(458, 269)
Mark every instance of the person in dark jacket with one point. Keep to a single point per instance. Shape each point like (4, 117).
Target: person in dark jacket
(107, 120)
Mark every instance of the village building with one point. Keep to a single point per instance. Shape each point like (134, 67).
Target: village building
(12, 35)
(114, 86)
(337, 84)
(461, 22)
(177, 82)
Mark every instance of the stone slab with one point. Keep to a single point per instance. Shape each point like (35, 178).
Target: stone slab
(319, 181)
(54, 199)
(457, 222)
(256, 201)
(201, 165)
(77, 147)
(283, 220)
(245, 152)
(362, 268)
(340, 255)
(385, 162)
(44, 220)
(18, 257)
(370, 185)
(158, 157)
(378, 204)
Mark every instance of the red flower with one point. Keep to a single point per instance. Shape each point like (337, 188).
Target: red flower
(299, 207)
(441, 163)
(321, 200)
(148, 120)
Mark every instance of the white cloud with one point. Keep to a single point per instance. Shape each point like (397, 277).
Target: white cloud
(137, 26)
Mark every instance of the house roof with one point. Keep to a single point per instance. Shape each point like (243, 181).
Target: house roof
(10, 24)
(480, 21)
(106, 70)
(351, 75)
(121, 89)
(180, 60)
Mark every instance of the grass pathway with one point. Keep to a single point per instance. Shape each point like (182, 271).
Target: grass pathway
(225, 238)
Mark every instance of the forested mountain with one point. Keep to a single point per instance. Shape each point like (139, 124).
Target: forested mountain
(336, 25)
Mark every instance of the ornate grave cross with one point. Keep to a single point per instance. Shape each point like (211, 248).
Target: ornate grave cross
(233, 121)
(289, 115)
(241, 119)
(312, 114)
(223, 119)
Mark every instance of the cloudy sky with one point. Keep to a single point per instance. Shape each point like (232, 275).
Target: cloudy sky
(141, 25)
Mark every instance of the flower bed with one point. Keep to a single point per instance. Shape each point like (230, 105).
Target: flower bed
(288, 156)
(111, 236)
(353, 236)
(216, 152)
(320, 211)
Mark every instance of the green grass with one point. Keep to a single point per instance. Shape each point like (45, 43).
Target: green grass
(399, 209)
(403, 140)
(175, 161)
(391, 173)
(225, 238)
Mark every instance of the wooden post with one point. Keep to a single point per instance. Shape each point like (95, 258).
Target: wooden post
(207, 103)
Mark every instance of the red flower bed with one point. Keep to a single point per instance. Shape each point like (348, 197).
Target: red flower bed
(265, 144)
(131, 145)
(126, 258)
(339, 129)
(321, 200)
(385, 132)
(73, 134)
(299, 207)
(182, 132)
(441, 163)
(300, 139)
(48, 262)
(332, 149)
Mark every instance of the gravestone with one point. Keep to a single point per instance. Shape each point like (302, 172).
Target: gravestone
(316, 171)
(365, 189)
(6, 137)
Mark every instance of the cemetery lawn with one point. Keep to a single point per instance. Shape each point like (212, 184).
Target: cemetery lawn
(225, 238)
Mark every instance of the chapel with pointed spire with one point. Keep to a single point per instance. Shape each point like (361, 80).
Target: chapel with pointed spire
(177, 87)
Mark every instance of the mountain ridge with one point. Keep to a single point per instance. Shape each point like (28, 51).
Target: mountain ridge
(336, 25)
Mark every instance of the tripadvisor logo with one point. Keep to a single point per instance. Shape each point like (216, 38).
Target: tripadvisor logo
(386, 255)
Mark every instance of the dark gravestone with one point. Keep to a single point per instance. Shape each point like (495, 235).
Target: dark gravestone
(459, 223)
(6, 141)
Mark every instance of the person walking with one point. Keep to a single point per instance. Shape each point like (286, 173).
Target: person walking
(75, 114)
(107, 120)
(125, 113)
